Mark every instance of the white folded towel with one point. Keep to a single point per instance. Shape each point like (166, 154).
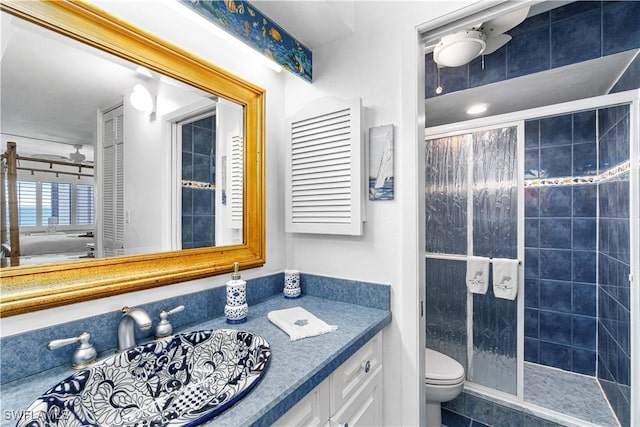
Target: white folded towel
(477, 274)
(299, 323)
(505, 278)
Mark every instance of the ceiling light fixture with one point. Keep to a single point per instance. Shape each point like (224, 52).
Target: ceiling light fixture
(477, 109)
(141, 99)
(459, 48)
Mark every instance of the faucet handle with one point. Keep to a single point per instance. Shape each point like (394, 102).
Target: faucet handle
(164, 328)
(164, 313)
(84, 355)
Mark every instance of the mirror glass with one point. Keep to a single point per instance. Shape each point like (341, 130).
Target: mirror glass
(110, 158)
(168, 163)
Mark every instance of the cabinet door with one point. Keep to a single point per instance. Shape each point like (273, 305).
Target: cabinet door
(312, 410)
(364, 408)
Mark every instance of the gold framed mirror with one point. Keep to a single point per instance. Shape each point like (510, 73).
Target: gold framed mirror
(31, 288)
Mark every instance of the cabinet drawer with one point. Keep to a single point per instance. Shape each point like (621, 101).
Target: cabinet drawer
(312, 410)
(364, 408)
(355, 371)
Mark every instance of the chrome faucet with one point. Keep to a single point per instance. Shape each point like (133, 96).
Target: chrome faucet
(126, 334)
(83, 356)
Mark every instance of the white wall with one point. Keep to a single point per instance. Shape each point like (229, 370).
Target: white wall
(380, 63)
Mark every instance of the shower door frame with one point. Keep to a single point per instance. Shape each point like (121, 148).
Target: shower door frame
(631, 98)
(456, 131)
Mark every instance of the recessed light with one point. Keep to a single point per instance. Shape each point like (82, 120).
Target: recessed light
(477, 109)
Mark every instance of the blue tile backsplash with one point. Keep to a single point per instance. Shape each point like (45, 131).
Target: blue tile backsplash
(573, 33)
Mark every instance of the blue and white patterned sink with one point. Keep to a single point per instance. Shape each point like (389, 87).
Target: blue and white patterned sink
(181, 380)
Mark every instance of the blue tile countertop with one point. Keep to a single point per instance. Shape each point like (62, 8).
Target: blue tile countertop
(294, 370)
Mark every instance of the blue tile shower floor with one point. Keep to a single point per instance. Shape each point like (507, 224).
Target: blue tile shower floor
(572, 394)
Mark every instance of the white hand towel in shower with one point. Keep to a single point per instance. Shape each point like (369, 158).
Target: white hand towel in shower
(505, 278)
(477, 274)
(299, 323)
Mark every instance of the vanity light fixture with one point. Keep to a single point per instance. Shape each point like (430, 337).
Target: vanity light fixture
(219, 32)
(141, 99)
(477, 109)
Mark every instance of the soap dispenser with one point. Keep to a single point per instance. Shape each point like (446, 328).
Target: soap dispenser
(236, 309)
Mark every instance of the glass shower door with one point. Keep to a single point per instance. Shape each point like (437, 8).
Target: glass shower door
(471, 198)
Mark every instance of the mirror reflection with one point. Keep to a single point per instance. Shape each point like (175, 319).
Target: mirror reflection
(103, 158)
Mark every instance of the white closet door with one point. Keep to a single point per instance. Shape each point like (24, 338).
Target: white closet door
(237, 181)
(325, 186)
(113, 182)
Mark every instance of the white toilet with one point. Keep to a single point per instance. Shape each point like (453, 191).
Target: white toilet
(443, 381)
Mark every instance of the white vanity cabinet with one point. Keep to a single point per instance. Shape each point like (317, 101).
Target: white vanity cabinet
(350, 396)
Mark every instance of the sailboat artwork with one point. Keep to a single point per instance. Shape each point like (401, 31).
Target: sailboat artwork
(381, 163)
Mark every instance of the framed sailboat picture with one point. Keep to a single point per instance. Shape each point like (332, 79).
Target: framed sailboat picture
(381, 163)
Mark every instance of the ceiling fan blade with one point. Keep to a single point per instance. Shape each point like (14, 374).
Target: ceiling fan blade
(496, 42)
(504, 23)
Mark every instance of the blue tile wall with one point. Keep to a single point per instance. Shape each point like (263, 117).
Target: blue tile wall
(468, 410)
(614, 361)
(198, 164)
(200, 306)
(560, 242)
(573, 33)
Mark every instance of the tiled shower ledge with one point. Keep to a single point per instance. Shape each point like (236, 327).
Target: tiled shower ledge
(294, 370)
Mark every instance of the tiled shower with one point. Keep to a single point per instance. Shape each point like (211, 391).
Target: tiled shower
(577, 314)
(575, 245)
(198, 183)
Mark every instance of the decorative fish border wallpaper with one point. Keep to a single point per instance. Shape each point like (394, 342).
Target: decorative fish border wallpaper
(241, 19)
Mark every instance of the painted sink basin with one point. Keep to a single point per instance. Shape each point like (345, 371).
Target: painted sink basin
(180, 380)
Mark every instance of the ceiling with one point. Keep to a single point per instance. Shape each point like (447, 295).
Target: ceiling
(52, 88)
(315, 23)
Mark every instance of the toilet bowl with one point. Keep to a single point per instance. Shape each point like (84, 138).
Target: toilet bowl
(444, 379)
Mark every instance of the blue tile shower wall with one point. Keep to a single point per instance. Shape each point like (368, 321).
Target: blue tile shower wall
(200, 306)
(198, 166)
(560, 243)
(577, 32)
(614, 354)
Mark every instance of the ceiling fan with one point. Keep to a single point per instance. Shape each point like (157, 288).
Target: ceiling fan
(77, 157)
(461, 47)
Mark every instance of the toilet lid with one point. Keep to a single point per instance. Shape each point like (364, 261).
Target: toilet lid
(441, 369)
